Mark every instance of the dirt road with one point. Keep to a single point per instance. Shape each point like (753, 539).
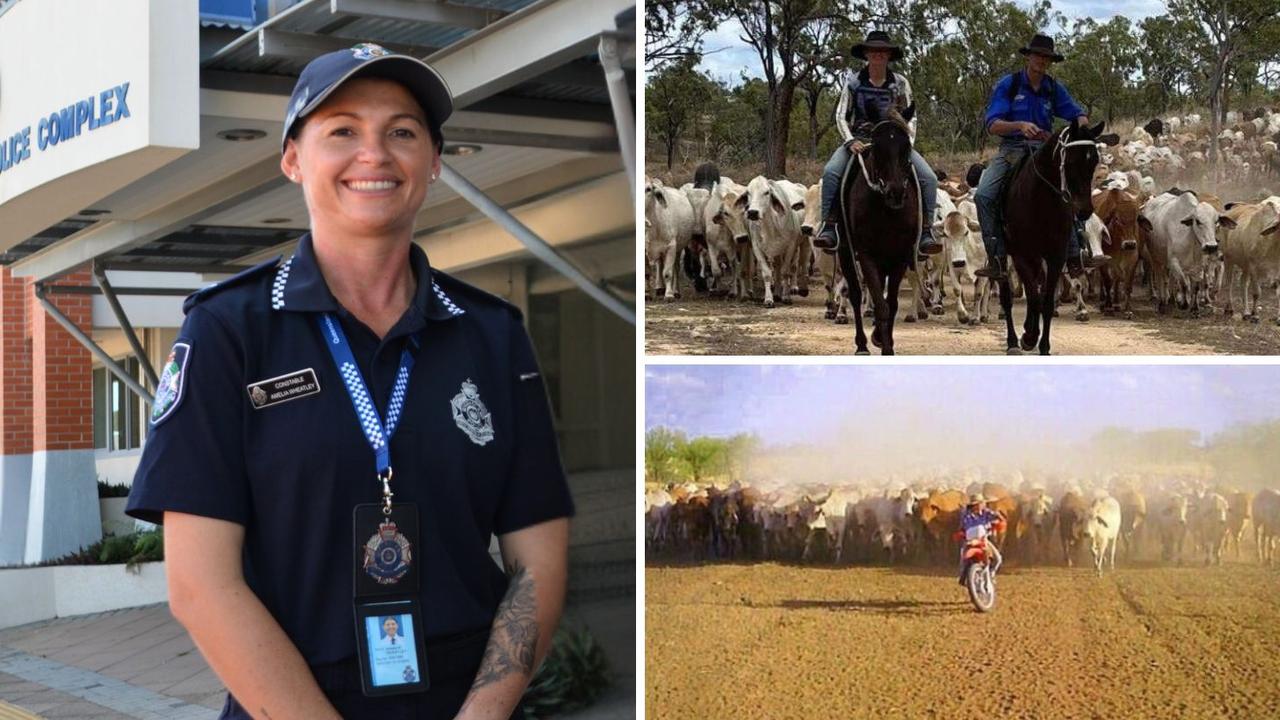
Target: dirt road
(715, 326)
(776, 641)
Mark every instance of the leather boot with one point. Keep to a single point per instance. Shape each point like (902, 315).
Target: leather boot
(827, 239)
(995, 268)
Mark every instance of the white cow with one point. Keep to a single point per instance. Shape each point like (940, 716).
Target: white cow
(954, 229)
(1183, 234)
(801, 254)
(837, 302)
(668, 228)
(975, 257)
(1102, 527)
(1253, 248)
(1210, 526)
(728, 241)
(773, 227)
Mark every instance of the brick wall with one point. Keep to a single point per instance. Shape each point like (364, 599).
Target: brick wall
(61, 377)
(15, 366)
(46, 393)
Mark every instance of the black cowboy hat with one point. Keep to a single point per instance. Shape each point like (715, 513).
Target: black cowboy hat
(1041, 45)
(876, 40)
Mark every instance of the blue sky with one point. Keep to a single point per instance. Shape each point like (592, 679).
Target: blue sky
(728, 56)
(920, 404)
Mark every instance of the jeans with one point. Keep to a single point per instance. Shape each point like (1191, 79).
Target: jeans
(987, 198)
(835, 168)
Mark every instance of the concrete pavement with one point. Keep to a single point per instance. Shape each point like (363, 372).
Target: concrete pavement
(139, 663)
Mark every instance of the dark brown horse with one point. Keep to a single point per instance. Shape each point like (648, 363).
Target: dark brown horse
(1045, 194)
(880, 217)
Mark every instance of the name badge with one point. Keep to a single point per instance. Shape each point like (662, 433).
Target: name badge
(283, 388)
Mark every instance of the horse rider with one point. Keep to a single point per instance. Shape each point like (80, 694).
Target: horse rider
(875, 85)
(1021, 111)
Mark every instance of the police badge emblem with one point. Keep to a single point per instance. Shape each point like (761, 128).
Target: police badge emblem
(471, 415)
(368, 51)
(387, 555)
(258, 395)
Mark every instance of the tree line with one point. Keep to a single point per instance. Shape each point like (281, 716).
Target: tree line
(1247, 454)
(672, 456)
(1218, 54)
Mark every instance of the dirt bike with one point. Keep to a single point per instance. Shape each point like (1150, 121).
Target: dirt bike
(978, 576)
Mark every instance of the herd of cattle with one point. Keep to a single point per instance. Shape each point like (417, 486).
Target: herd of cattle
(1175, 519)
(1193, 250)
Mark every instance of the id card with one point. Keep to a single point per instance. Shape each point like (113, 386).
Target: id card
(393, 660)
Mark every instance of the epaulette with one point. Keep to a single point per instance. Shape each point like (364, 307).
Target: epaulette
(464, 289)
(204, 293)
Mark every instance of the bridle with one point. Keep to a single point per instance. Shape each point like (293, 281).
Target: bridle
(1061, 151)
(878, 186)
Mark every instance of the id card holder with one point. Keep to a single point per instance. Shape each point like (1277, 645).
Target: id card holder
(388, 615)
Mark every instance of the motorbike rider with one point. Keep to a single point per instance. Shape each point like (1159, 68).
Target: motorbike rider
(976, 522)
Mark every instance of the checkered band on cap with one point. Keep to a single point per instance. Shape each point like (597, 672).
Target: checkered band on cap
(277, 285)
(367, 413)
(447, 301)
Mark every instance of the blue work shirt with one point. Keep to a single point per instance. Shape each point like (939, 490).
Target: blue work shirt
(1027, 105)
(292, 471)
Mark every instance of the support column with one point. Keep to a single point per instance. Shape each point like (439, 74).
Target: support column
(63, 511)
(15, 418)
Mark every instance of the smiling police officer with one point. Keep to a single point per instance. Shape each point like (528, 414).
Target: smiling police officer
(339, 435)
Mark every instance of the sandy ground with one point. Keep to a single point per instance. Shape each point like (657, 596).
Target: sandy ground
(777, 641)
(715, 326)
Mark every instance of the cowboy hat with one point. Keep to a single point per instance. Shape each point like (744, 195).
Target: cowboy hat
(976, 498)
(1041, 45)
(876, 40)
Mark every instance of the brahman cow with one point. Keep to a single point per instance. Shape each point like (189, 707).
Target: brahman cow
(668, 228)
(1102, 527)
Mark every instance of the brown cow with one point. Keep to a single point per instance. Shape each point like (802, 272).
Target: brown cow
(1002, 501)
(1118, 211)
(1035, 525)
(940, 516)
(1073, 511)
(1133, 516)
(1240, 512)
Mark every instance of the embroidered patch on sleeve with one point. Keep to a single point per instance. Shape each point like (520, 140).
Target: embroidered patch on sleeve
(173, 378)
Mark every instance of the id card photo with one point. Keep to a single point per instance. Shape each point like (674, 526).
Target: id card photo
(392, 656)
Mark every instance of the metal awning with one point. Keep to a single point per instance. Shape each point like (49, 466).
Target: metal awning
(535, 117)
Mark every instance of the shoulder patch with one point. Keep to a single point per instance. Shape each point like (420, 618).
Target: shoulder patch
(204, 293)
(173, 380)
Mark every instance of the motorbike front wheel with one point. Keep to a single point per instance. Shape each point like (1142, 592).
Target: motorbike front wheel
(982, 592)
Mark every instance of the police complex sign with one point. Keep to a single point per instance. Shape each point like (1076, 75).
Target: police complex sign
(119, 100)
(66, 124)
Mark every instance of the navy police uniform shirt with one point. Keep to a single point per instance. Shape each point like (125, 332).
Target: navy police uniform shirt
(289, 461)
(1013, 100)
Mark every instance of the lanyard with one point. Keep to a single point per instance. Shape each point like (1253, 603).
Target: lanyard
(377, 432)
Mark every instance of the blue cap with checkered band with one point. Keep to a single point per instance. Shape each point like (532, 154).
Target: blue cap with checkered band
(326, 73)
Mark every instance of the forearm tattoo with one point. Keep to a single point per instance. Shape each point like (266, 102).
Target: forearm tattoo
(515, 631)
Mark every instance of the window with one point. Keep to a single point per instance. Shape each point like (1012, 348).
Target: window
(117, 411)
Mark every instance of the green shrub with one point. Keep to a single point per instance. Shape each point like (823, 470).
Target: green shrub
(107, 490)
(572, 676)
(132, 550)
